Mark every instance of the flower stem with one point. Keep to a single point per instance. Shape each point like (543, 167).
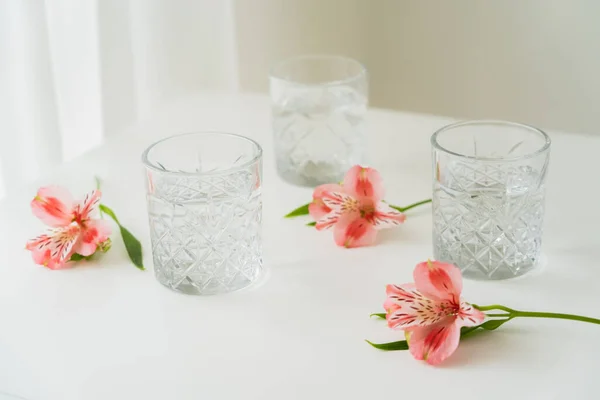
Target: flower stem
(418, 203)
(493, 307)
(498, 315)
(532, 314)
(572, 317)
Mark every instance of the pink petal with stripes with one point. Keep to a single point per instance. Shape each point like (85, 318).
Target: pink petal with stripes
(317, 209)
(54, 249)
(89, 205)
(353, 231)
(434, 343)
(328, 220)
(438, 280)
(406, 308)
(387, 217)
(469, 315)
(340, 201)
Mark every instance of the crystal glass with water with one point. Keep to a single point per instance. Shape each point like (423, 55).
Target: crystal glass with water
(318, 108)
(205, 210)
(488, 197)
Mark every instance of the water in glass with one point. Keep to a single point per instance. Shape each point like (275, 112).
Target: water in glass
(205, 227)
(488, 219)
(203, 241)
(319, 133)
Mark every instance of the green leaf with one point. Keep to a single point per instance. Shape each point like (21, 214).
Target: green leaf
(378, 315)
(302, 210)
(391, 346)
(134, 248)
(312, 223)
(487, 326)
(76, 257)
(132, 245)
(79, 257)
(493, 324)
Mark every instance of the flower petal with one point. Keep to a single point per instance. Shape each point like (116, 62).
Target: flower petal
(54, 249)
(96, 231)
(437, 280)
(340, 201)
(407, 308)
(328, 220)
(89, 205)
(328, 187)
(41, 257)
(340, 204)
(40, 248)
(469, 315)
(317, 209)
(387, 217)
(39, 242)
(353, 231)
(364, 184)
(53, 205)
(434, 343)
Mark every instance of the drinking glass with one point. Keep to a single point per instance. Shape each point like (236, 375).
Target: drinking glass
(205, 210)
(488, 197)
(318, 106)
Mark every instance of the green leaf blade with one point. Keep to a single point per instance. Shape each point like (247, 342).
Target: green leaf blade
(133, 247)
(312, 223)
(78, 257)
(302, 210)
(391, 346)
(132, 244)
(493, 324)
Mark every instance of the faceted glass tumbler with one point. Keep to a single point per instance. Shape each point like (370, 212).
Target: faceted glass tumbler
(318, 107)
(488, 197)
(205, 211)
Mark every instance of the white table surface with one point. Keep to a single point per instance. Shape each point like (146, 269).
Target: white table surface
(108, 331)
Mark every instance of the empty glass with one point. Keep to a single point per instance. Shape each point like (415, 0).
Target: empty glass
(205, 210)
(488, 197)
(318, 108)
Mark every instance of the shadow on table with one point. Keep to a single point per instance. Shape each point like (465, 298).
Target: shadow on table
(485, 348)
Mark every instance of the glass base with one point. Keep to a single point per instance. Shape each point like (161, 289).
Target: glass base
(301, 180)
(310, 176)
(211, 285)
(503, 272)
(488, 269)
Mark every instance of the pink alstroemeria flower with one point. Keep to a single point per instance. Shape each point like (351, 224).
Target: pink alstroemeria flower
(431, 311)
(355, 209)
(74, 229)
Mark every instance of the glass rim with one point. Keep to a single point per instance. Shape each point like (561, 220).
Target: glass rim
(436, 145)
(253, 160)
(362, 70)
